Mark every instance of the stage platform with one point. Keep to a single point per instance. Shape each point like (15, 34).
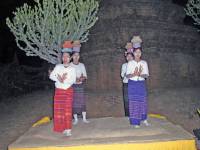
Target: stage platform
(108, 134)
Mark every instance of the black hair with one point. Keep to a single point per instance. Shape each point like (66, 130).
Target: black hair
(70, 53)
(130, 53)
(140, 48)
(75, 52)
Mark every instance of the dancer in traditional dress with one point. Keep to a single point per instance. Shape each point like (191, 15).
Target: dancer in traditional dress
(129, 57)
(79, 103)
(64, 76)
(137, 72)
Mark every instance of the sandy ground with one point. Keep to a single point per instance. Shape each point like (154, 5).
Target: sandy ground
(18, 114)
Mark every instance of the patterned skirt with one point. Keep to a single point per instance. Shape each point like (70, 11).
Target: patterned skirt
(63, 109)
(125, 97)
(79, 104)
(137, 95)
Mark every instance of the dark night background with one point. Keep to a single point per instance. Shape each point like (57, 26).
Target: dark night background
(8, 45)
(19, 72)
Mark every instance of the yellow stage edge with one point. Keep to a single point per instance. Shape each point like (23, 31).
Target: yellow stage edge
(164, 145)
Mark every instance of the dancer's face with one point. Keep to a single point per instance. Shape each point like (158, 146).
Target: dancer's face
(76, 57)
(137, 53)
(129, 57)
(66, 58)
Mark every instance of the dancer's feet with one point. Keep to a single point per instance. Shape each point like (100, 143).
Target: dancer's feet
(136, 126)
(75, 122)
(67, 132)
(146, 123)
(84, 117)
(86, 121)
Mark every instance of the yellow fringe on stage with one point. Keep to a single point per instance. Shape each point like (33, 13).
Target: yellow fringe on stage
(168, 145)
(44, 120)
(157, 116)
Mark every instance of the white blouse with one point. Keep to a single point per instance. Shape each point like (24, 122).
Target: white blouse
(80, 69)
(60, 70)
(132, 65)
(123, 73)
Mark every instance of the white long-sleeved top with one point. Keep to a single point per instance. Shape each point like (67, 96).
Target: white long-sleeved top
(60, 69)
(123, 72)
(132, 65)
(80, 70)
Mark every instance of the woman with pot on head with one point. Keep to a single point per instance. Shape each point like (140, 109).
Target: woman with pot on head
(137, 72)
(129, 57)
(64, 76)
(79, 104)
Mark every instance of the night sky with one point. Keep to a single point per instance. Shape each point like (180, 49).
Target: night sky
(8, 46)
